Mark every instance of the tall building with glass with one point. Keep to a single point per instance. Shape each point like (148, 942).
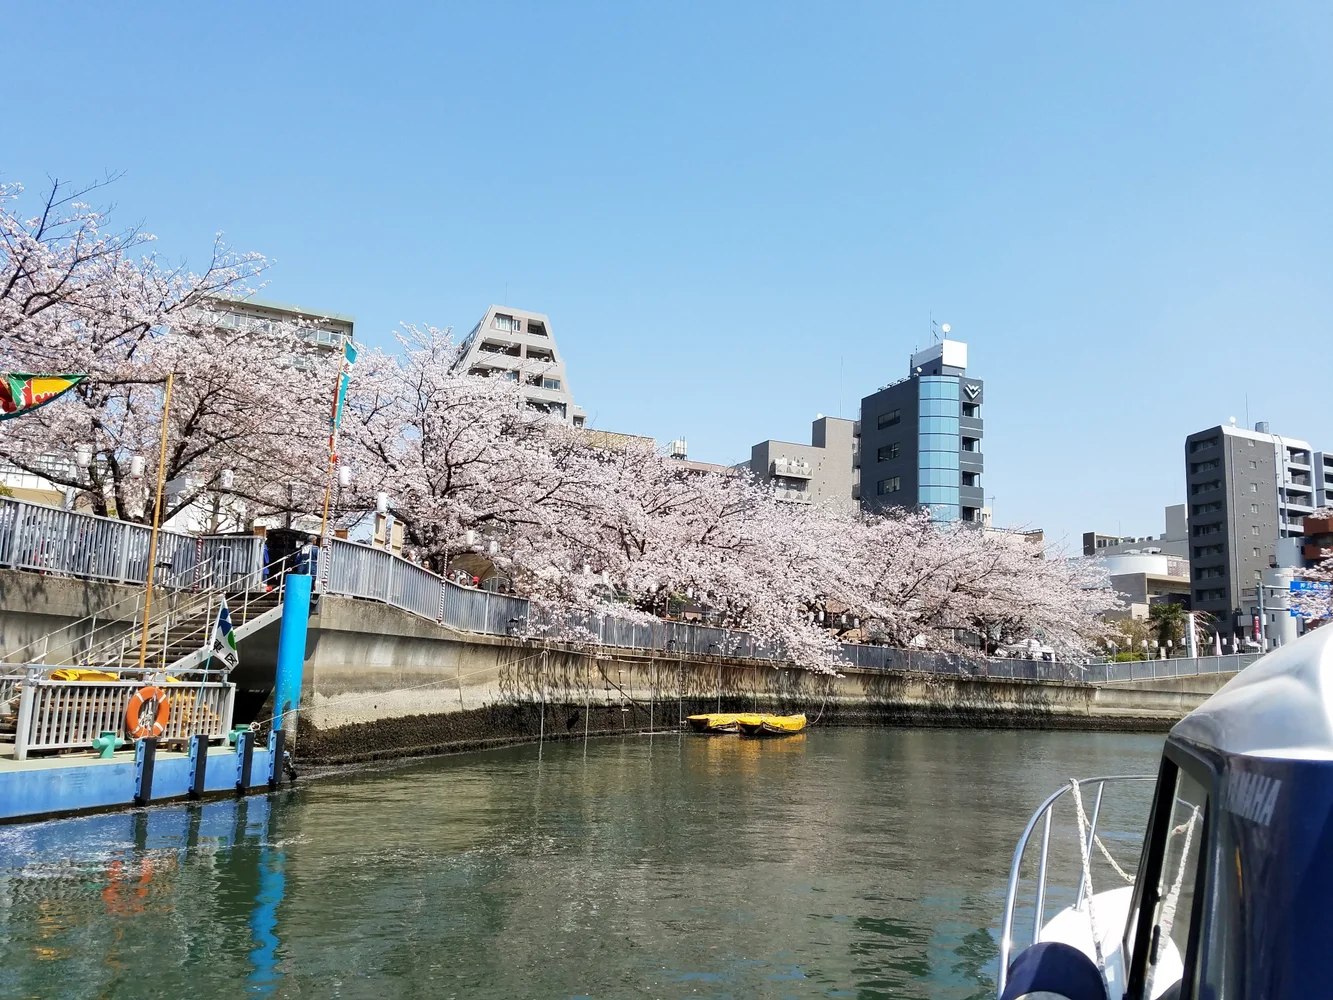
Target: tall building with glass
(921, 438)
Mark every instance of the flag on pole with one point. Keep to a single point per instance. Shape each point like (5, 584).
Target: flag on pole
(23, 392)
(223, 642)
(1217, 642)
(344, 377)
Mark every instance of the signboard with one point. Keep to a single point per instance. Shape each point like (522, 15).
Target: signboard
(1308, 587)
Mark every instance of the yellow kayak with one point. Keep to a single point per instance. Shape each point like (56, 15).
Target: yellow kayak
(716, 722)
(770, 725)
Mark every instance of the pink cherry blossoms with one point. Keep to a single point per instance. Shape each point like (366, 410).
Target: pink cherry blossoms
(623, 531)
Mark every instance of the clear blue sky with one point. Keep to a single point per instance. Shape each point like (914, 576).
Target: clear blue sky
(1124, 209)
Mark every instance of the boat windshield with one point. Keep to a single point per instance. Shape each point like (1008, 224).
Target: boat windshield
(1174, 910)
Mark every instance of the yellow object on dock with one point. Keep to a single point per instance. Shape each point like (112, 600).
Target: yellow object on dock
(770, 725)
(79, 674)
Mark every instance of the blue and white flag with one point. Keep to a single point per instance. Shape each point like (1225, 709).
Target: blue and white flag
(223, 642)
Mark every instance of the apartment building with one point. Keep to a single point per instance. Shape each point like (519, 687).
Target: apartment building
(1247, 491)
(1322, 470)
(320, 327)
(823, 471)
(520, 345)
(921, 438)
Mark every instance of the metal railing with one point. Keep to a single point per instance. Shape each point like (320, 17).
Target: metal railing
(1045, 812)
(360, 571)
(1178, 666)
(69, 715)
(70, 543)
(47, 539)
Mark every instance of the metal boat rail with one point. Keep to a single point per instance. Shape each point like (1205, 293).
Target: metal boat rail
(1045, 811)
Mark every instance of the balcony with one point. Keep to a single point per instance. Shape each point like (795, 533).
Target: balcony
(792, 468)
(792, 496)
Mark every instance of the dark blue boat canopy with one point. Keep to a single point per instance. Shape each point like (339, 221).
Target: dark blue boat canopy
(1281, 706)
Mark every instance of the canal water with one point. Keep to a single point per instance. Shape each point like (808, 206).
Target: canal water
(842, 863)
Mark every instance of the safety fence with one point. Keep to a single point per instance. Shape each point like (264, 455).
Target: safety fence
(1176, 666)
(958, 665)
(47, 539)
(70, 543)
(69, 715)
(356, 570)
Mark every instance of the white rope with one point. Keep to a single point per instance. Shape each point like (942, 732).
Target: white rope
(1111, 861)
(1087, 879)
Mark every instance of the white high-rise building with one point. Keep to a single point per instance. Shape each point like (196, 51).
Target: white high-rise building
(516, 344)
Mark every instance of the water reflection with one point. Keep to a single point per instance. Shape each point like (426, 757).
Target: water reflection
(849, 864)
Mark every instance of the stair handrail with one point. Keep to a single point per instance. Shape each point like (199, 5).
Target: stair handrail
(183, 610)
(202, 568)
(279, 570)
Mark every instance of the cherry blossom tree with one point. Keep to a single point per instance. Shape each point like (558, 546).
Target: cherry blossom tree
(77, 297)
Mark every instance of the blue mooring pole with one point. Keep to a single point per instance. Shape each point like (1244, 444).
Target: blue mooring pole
(291, 649)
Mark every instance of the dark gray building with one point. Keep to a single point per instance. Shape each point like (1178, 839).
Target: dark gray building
(1246, 490)
(921, 438)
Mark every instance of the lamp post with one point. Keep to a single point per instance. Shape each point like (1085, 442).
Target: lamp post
(344, 481)
(226, 480)
(83, 459)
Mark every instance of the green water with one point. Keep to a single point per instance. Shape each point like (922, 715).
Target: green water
(857, 863)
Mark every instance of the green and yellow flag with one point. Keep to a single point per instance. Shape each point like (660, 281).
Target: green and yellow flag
(23, 392)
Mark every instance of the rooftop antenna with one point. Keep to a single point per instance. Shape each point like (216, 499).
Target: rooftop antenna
(934, 331)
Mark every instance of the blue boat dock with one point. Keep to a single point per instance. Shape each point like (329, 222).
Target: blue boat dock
(141, 774)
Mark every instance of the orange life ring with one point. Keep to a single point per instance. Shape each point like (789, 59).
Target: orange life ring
(134, 723)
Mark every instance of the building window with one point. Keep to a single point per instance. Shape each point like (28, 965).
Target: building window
(1255, 553)
(1254, 487)
(1210, 572)
(890, 418)
(1208, 487)
(1207, 508)
(1254, 508)
(972, 409)
(1254, 465)
(510, 323)
(1212, 594)
(889, 451)
(1207, 466)
(1258, 576)
(971, 479)
(1200, 530)
(536, 329)
(971, 444)
(1254, 529)
(1203, 445)
(1203, 551)
(891, 485)
(550, 383)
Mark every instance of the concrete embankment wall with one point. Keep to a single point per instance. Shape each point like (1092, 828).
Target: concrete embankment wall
(380, 682)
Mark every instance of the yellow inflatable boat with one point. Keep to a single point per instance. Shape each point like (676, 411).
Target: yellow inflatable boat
(770, 725)
(716, 723)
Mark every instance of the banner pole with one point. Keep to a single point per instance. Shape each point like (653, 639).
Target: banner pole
(157, 517)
